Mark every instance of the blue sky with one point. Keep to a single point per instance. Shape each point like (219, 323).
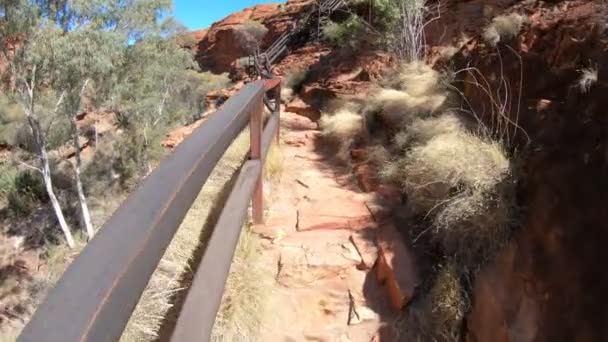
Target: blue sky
(198, 14)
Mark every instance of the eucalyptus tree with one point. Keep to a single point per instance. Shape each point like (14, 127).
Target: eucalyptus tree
(56, 49)
(155, 71)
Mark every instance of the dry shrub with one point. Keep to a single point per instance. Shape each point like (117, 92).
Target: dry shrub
(417, 78)
(295, 80)
(287, 95)
(459, 182)
(343, 125)
(503, 28)
(396, 107)
(423, 130)
(448, 163)
(439, 313)
(588, 79)
(274, 163)
(471, 228)
(378, 155)
(416, 91)
(340, 129)
(250, 35)
(463, 184)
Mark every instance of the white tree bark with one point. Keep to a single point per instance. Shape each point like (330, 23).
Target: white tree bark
(82, 199)
(46, 176)
(48, 184)
(28, 105)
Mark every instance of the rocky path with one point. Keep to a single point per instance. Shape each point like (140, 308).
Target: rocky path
(322, 242)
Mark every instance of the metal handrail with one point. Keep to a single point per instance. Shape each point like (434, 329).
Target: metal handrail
(96, 296)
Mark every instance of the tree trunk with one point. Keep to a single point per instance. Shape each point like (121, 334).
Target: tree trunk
(84, 208)
(45, 168)
(145, 156)
(48, 182)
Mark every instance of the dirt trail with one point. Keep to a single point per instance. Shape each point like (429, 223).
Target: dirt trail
(320, 242)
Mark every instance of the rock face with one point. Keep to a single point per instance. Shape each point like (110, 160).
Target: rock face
(548, 284)
(217, 48)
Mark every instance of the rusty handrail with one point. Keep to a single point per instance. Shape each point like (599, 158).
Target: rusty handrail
(96, 296)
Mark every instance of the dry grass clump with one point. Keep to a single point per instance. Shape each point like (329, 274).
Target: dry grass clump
(452, 163)
(422, 130)
(243, 303)
(462, 183)
(438, 315)
(396, 107)
(588, 79)
(343, 125)
(417, 78)
(340, 129)
(274, 164)
(459, 182)
(295, 80)
(416, 90)
(287, 95)
(503, 28)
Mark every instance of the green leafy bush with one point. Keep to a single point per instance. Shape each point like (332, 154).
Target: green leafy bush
(28, 192)
(295, 80)
(350, 32)
(8, 173)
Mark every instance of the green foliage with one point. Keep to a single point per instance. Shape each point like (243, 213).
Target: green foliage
(190, 98)
(295, 80)
(28, 192)
(386, 14)
(8, 173)
(11, 116)
(9, 110)
(347, 33)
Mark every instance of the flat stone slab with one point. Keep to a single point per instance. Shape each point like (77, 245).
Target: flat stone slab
(305, 266)
(336, 214)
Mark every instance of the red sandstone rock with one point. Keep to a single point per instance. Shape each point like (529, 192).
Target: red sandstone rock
(365, 243)
(396, 267)
(366, 176)
(217, 47)
(336, 214)
(302, 108)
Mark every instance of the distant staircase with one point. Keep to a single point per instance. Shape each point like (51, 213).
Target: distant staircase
(315, 19)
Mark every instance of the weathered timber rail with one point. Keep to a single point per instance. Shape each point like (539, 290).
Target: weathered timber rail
(96, 296)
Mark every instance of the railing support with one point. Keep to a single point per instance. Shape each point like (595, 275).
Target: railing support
(255, 130)
(278, 109)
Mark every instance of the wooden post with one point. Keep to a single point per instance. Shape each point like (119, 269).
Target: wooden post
(278, 109)
(255, 129)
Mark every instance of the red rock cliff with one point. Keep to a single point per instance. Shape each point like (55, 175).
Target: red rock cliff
(217, 48)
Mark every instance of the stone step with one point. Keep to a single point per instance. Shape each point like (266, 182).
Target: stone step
(396, 266)
(307, 258)
(338, 213)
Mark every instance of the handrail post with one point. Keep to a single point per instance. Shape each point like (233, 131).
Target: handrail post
(255, 129)
(278, 109)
